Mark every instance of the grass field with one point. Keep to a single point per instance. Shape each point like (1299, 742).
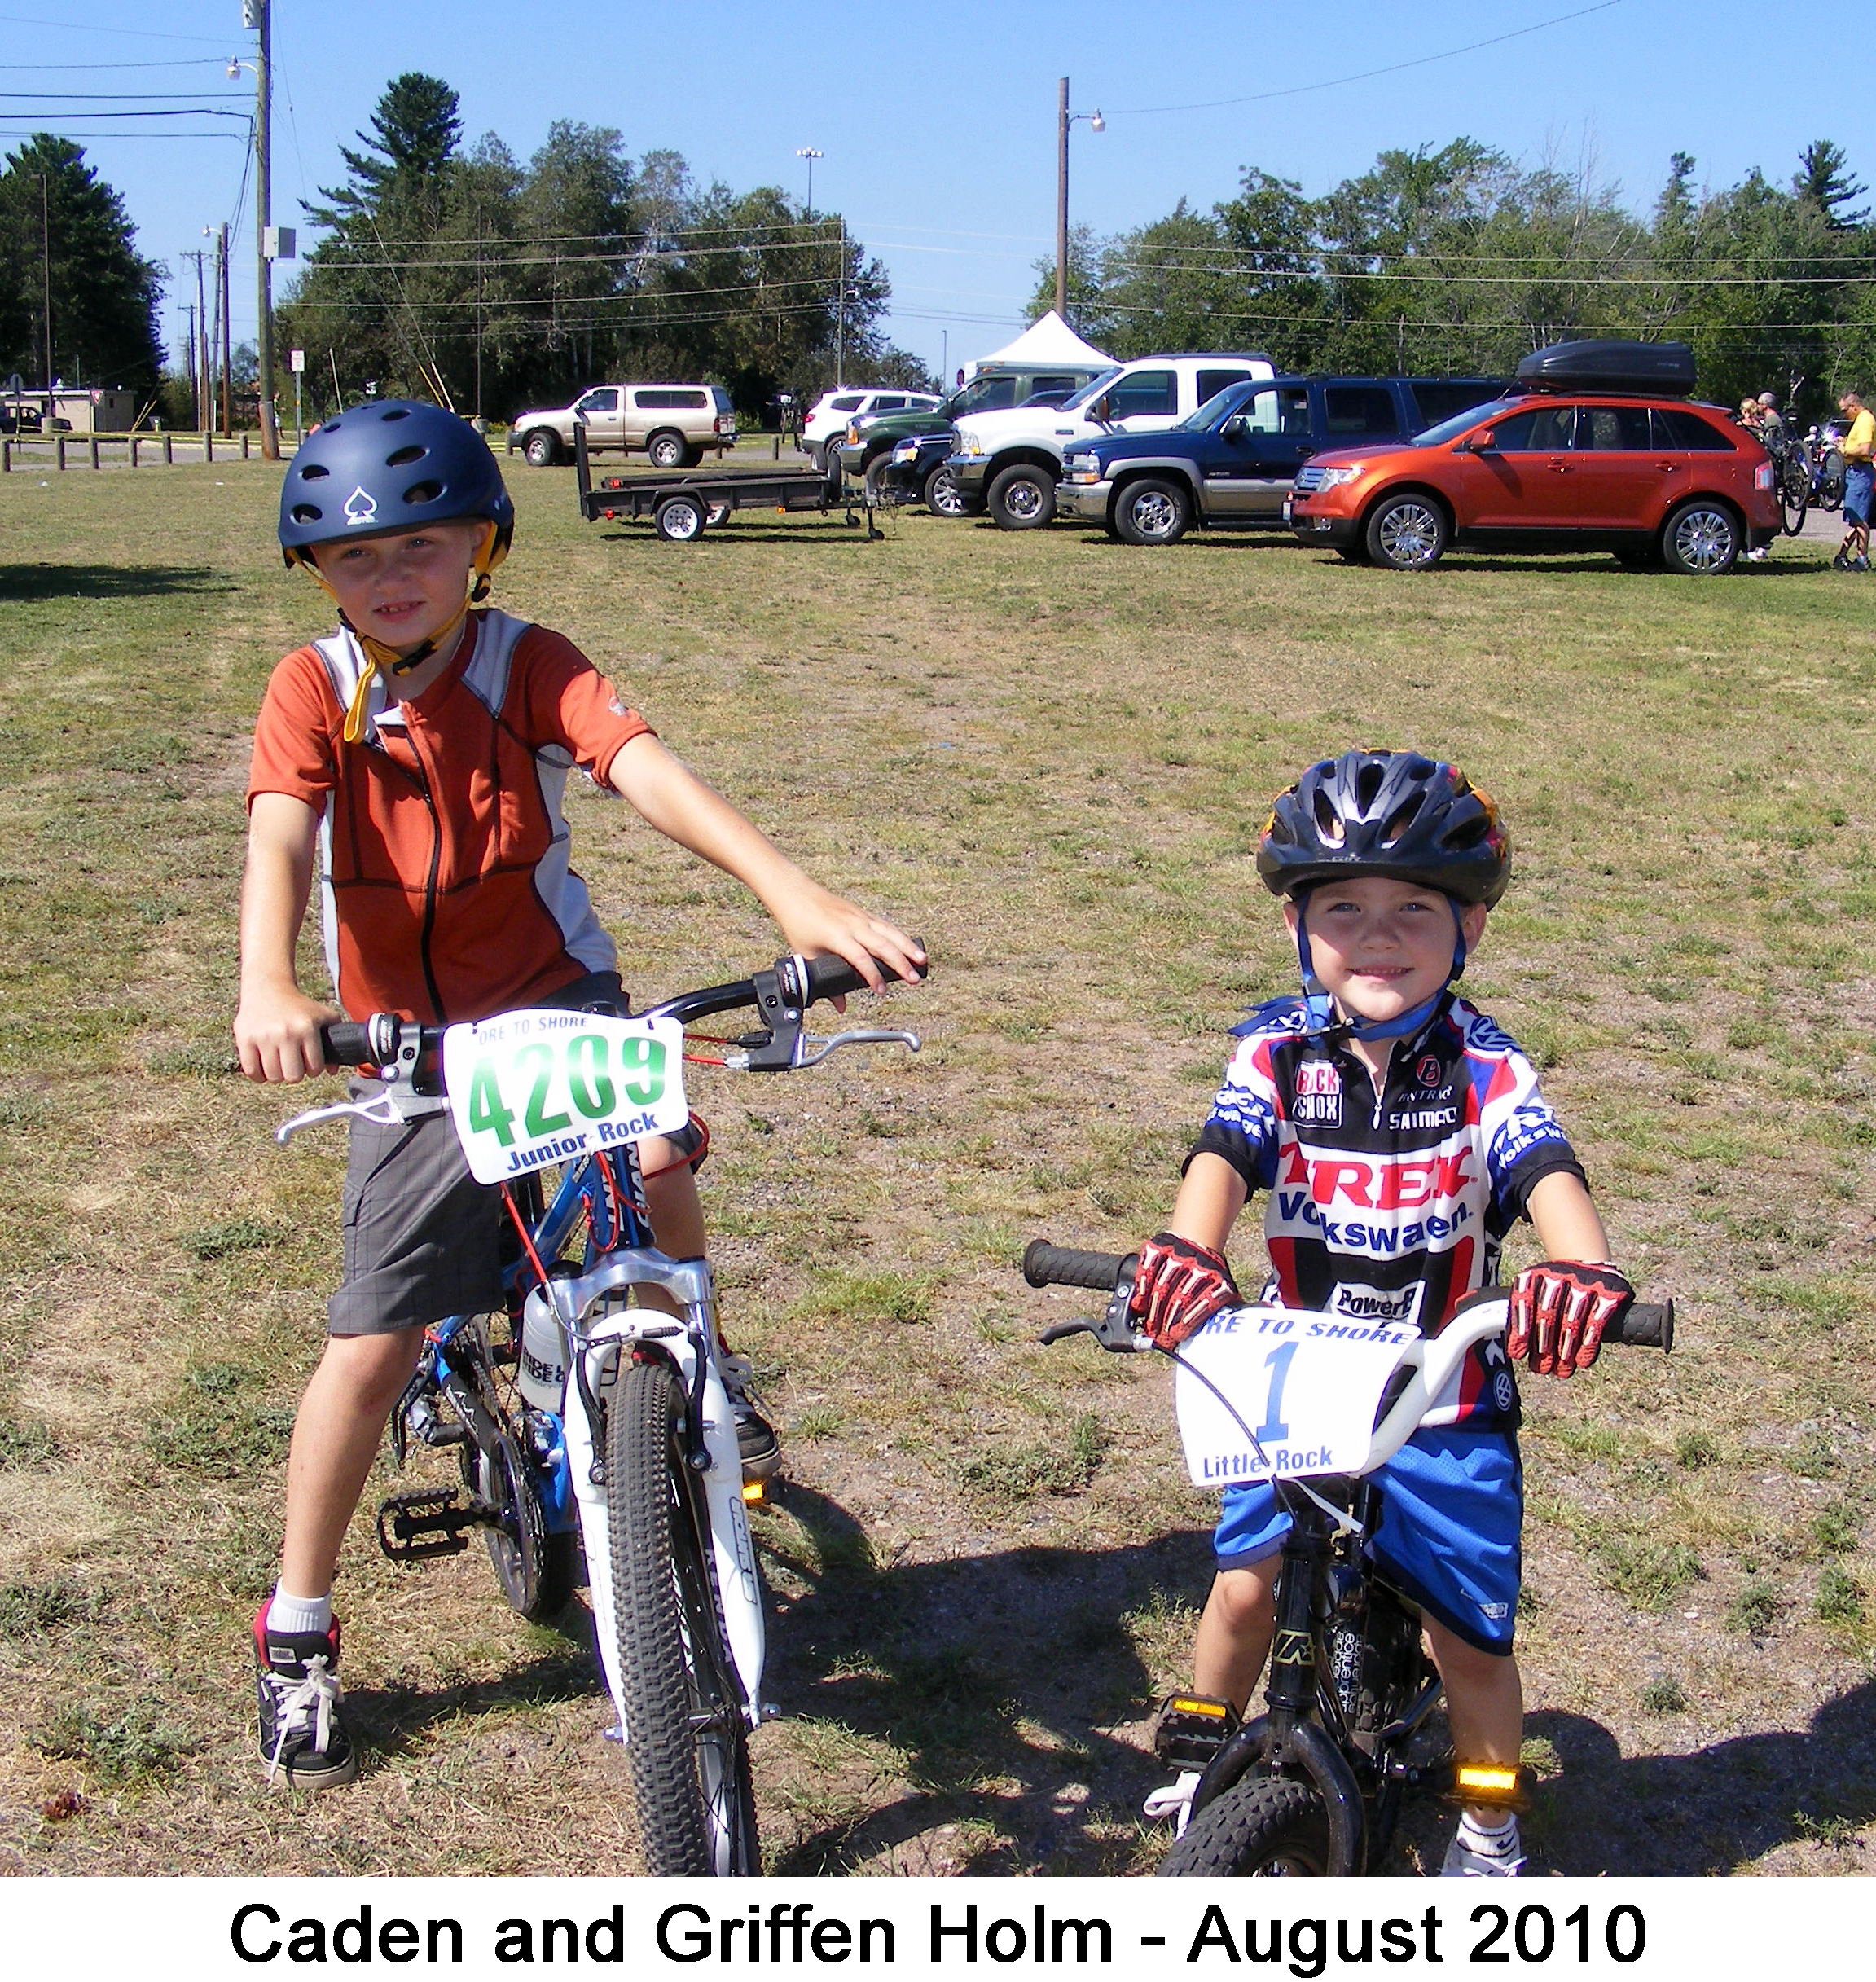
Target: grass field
(1052, 756)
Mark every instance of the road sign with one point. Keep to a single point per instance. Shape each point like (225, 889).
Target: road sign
(295, 361)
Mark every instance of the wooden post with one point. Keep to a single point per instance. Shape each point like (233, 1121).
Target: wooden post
(208, 445)
(5, 455)
(93, 450)
(243, 443)
(168, 452)
(61, 454)
(134, 449)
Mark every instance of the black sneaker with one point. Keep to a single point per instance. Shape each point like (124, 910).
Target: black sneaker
(1841, 561)
(303, 1731)
(757, 1444)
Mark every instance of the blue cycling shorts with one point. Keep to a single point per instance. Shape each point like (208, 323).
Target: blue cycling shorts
(1452, 1512)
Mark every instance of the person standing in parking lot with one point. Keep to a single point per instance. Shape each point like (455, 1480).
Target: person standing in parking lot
(1858, 447)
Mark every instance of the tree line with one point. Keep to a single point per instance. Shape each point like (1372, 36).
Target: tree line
(464, 275)
(1460, 261)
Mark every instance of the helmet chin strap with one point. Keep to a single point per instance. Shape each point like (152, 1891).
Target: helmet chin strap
(387, 660)
(1327, 1018)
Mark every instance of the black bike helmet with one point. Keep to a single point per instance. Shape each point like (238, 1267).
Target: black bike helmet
(394, 465)
(1388, 812)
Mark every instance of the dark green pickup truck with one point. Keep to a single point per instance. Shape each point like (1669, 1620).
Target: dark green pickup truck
(993, 387)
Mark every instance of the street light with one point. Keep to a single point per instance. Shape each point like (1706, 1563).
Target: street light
(1097, 122)
(811, 154)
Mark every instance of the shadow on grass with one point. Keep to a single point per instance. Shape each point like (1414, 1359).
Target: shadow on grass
(387, 1719)
(822, 534)
(993, 1675)
(1691, 1816)
(30, 582)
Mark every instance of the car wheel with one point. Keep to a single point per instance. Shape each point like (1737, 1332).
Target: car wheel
(1152, 510)
(1406, 532)
(941, 495)
(1022, 497)
(667, 450)
(541, 449)
(679, 518)
(1701, 539)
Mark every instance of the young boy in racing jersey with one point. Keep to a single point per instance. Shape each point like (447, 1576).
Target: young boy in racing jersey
(415, 761)
(1400, 1134)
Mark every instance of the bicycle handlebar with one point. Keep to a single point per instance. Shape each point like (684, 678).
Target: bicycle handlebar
(1647, 1324)
(800, 981)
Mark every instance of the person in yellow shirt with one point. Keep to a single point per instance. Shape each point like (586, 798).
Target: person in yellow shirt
(1858, 448)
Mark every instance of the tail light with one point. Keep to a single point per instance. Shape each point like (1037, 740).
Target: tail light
(1765, 477)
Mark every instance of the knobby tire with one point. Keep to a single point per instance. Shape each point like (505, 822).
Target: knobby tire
(686, 1736)
(1262, 1827)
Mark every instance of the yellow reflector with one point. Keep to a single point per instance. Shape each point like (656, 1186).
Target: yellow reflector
(1477, 1776)
(1215, 1709)
(752, 1495)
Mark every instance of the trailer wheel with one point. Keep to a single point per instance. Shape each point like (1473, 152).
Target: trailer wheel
(679, 518)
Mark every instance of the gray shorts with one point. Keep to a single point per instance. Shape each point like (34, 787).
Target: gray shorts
(422, 1238)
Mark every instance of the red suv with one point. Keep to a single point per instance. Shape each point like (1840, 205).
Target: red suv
(1578, 465)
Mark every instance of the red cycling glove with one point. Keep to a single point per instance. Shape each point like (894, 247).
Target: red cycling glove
(1558, 1311)
(1178, 1287)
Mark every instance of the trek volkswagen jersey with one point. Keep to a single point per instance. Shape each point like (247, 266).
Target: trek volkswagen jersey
(1390, 1206)
(446, 887)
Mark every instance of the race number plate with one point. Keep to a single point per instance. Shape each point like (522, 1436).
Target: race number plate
(1304, 1388)
(534, 1087)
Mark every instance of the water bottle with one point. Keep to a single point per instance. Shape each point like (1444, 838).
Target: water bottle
(541, 1374)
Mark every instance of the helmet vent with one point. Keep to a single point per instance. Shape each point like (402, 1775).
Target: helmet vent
(395, 412)
(1367, 783)
(1469, 833)
(422, 492)
(1402, 822)
(405, 456)
(313, 470)
(1328, 822)
(305, 512)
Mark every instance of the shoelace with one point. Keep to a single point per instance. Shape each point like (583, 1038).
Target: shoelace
(302, 1704)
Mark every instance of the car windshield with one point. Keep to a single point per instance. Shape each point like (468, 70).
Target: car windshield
(1451, 429)
(1214, 408)
(1093, 389)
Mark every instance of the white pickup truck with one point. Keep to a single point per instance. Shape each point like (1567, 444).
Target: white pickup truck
(674, 424)
(1010, 462)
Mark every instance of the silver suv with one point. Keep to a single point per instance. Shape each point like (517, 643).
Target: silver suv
(673, 424)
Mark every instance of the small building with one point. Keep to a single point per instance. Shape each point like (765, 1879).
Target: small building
(78, 409)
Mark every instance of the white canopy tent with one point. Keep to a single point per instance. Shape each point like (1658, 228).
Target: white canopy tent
(1048, 342)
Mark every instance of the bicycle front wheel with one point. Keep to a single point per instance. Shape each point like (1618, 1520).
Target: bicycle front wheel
(687, 1740)
(1263, 1827)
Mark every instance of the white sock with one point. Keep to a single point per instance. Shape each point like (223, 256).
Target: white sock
(299, 1614)
(1501, 1842)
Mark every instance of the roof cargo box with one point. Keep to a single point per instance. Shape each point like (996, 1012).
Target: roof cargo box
(1609, 365)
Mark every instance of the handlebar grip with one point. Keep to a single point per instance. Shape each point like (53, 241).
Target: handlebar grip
(1044, 1265)
(345, 1043)
(831, 977)
(1647, 1326)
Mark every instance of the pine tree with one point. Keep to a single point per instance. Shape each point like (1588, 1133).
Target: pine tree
(1823, 180)
(415, 128)
(65, 230)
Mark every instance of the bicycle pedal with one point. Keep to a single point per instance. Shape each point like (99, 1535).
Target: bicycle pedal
(413, 1527)
(1190, 1729)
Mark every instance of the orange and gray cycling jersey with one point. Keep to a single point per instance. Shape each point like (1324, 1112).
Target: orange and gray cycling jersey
(447, 890)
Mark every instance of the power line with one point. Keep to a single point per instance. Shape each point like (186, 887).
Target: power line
(36, 68)
(1393, 68)
(91, 27)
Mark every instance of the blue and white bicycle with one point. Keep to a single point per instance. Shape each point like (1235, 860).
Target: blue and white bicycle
(591, 1418)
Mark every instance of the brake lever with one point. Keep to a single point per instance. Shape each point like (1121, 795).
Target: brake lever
(806, 1050)
(381, 1108)
(1115, 1330)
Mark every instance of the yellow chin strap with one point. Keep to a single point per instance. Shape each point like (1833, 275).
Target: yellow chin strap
(387, 660)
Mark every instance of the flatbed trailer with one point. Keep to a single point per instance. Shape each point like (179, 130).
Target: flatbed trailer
(683, 508)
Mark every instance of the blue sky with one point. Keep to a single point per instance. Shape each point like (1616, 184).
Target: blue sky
(937, 125)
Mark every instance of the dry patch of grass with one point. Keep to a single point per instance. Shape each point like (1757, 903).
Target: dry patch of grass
(1052, 756)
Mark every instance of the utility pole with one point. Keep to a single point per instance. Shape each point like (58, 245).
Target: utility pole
(199, 345)
(840, 310)
(46, 253)
(1097, 122)
(258, 14)
(227, 341)
(195, 376)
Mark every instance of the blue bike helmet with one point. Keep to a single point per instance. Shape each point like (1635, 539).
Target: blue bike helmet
(1389, 812)
(394, 465)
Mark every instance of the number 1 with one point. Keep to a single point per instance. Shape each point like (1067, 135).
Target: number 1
(1278, 1363)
